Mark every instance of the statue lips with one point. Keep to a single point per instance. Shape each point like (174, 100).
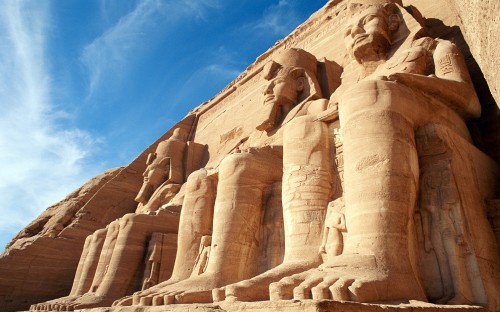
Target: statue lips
(269, 98)
(359, 38)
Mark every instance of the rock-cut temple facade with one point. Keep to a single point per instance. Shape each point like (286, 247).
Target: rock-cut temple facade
(353, 166)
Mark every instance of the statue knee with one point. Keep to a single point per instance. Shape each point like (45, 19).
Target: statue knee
(127, 220)
(260, 167)
(195, 179)
(100, 232)
(236, 165)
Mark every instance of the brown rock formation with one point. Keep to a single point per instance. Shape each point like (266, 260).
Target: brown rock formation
(47, 252)
(346, 172)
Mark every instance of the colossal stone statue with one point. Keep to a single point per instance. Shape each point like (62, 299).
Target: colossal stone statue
(296, 152)
(399, 81)
(376, 195)
(111, 257)
(164, 174)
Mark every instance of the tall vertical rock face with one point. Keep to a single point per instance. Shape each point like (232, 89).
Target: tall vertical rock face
(356, 160)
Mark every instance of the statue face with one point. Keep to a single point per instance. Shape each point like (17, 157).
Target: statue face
(154, 175)
(367, 36)
(281, 90)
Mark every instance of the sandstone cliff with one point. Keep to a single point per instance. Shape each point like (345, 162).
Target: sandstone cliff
(40, 262)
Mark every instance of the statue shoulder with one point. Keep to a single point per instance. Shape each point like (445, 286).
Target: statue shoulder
(415, 60)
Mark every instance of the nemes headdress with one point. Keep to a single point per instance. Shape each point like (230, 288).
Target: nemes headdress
(355, 6)
(292, 58)
(295, 61)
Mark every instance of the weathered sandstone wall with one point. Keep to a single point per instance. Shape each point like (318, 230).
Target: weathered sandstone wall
(40, 262)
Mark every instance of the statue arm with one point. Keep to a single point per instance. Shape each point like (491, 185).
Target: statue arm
(451, 81)
(331, 113)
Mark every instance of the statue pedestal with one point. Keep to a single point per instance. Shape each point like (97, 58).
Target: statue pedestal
(296, 306)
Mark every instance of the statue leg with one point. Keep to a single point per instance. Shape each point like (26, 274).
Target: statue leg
(380, 188)
(86, 270)
(307, 186)
(381, 183)
(88, 262)
(105, 256)
(126, 239)
(129, 250)
(196, 220)
(243, 178)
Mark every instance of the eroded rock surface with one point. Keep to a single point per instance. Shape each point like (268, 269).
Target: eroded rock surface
(350, 162)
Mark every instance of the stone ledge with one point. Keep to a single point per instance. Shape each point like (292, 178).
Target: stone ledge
(295, 306)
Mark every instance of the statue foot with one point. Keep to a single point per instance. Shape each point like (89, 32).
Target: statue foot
(194, 297)
(71, 303)
(359, 281)
(125, 301)
(59, 304)
(193, 290)
(257, 288)
(129, 300)
(88, 300)
(219, 294)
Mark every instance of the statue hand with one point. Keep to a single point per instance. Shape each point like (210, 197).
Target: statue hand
(329, 114)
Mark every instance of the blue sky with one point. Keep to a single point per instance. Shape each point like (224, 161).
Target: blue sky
(86, 85)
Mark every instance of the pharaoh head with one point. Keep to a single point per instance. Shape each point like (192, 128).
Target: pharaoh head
(289, 76)
(370, 28)
(159, 167)
(291, 79)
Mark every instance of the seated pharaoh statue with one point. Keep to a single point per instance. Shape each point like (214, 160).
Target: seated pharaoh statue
(111, 263)
(278, 182)
(402, 108)
(376, 195)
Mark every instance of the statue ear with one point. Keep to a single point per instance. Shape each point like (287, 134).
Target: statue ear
(164, 162)
(393, 22)
(393, 19)
(301, 83)
(299, 76)
(307, 86)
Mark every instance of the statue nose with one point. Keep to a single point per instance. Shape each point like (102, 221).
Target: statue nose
(269, 88)
(357, 29)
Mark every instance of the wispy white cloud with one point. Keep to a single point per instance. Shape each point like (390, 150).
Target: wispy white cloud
(198, 8)
(279, 19)
(221, 68)
(121, 44)
(41, 160)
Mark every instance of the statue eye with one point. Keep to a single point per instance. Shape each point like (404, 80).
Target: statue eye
(368, 19)
(279, 80)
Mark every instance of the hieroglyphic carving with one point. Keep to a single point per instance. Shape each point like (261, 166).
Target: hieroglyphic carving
(399, 81)
(332, 243)
(444, 230)
(245, 176)
(159, 262)
(201, 261)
